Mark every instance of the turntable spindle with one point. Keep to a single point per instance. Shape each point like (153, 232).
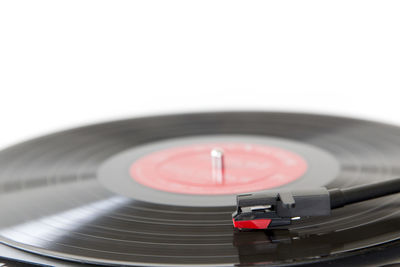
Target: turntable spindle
(217, 165)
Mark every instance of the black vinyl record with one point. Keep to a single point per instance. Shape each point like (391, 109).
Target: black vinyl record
(94, 194)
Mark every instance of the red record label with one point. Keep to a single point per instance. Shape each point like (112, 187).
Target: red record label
(247, 168)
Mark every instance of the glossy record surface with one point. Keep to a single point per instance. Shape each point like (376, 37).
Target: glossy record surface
(51, 202)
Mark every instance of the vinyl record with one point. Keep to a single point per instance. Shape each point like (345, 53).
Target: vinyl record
(141, 191)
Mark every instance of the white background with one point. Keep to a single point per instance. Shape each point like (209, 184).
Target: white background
(68, 63)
